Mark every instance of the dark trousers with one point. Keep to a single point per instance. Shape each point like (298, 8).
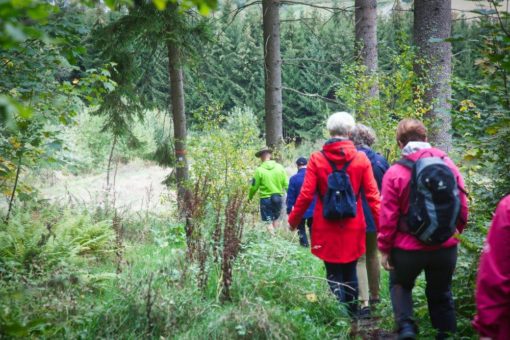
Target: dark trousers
(343, 282)
(303, 240)
(438, 266)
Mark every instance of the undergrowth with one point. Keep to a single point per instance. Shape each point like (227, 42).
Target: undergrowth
(73, 285)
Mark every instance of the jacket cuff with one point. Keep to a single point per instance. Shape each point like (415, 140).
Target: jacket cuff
(383, 248)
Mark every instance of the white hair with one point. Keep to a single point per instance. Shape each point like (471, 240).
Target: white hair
(340, 124)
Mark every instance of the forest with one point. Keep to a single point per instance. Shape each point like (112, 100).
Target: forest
(128, 133)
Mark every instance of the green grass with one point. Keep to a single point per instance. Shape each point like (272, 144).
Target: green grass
(278, 290)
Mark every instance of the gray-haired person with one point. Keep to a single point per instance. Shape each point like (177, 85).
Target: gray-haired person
(368, 268)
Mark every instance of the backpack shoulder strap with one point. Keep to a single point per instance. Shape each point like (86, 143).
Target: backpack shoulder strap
(331, 163)
(405, 162)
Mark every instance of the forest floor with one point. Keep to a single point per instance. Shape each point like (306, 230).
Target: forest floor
(148, 289)
(138, 186)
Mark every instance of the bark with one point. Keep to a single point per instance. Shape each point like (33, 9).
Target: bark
(13, 194)
(366, 39)
(432, 24)
(109, 169)
(179, 120)
(273, 72)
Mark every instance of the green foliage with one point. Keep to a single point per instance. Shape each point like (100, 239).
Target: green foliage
(400, 96)
(482, 115)
(279, 288)
(222, 149)
(59, 239)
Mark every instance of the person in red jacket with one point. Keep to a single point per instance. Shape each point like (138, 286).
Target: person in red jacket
(406, 256)
(339, 243)
(492, 320)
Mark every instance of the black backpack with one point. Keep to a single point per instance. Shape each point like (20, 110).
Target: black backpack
(339, 202)
(434, 200)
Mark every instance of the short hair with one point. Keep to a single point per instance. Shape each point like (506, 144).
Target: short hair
(411, 130)
(363, 135)
(340, 124)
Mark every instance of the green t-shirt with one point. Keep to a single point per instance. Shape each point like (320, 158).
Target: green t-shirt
(270, 178)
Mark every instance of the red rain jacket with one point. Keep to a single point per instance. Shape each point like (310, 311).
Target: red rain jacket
(395, 202)
(493, 283)
(337, 241)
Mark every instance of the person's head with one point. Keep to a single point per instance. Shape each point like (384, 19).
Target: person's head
(301, 162)
(363, 135)
(410, 130)
(340, 124)
(264, 154)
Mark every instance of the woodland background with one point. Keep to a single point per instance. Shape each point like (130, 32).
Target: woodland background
(106, 232)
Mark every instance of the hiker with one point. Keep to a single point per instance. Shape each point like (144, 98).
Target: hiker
(492, 297)
(423, 206)
(270, 180)
(295, 184)
(339, 242)
(368, 267)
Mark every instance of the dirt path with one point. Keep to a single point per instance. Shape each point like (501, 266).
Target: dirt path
(138, 186)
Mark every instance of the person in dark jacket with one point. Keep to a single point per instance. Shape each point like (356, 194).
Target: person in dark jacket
(368, 267)
(295, 184)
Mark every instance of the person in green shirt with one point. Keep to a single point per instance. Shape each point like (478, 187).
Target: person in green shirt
(271, 181)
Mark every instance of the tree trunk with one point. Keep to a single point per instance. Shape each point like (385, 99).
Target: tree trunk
(179, 120)
(273, 72)
(432, 24)
(366, 38)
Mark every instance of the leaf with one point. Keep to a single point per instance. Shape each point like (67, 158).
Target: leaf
(160, 4)
(311, 297)
(14, 32)
(108, 86)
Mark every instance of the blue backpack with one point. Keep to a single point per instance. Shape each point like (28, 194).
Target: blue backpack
(339, 202)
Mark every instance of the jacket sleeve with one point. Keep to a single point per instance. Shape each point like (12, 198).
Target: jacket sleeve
(493, 282)
(308, 191)
(382, 167)
(291, 195)
(372, 192)
(389, 214)
(255, 184)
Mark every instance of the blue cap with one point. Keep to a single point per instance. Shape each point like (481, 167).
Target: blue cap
(301, 161)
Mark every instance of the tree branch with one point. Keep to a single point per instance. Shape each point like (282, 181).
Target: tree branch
(310, 95)
(13, 194)
(327, 8)
(503, 28)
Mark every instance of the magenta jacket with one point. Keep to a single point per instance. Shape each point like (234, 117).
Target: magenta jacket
(395, 202)
(493, 282)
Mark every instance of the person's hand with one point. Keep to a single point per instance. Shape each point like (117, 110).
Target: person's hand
(291, 227)
(485, 338)
(385, 261)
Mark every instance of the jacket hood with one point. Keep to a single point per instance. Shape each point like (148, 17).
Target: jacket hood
(427, 152)
(268, 165)
(339, 151)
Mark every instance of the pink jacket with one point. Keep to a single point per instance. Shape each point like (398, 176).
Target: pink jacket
(493, 283)
(395, 202)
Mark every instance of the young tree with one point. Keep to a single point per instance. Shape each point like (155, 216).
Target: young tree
(151, 40)
(273, 72)
(432, 25)
(365, 15)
